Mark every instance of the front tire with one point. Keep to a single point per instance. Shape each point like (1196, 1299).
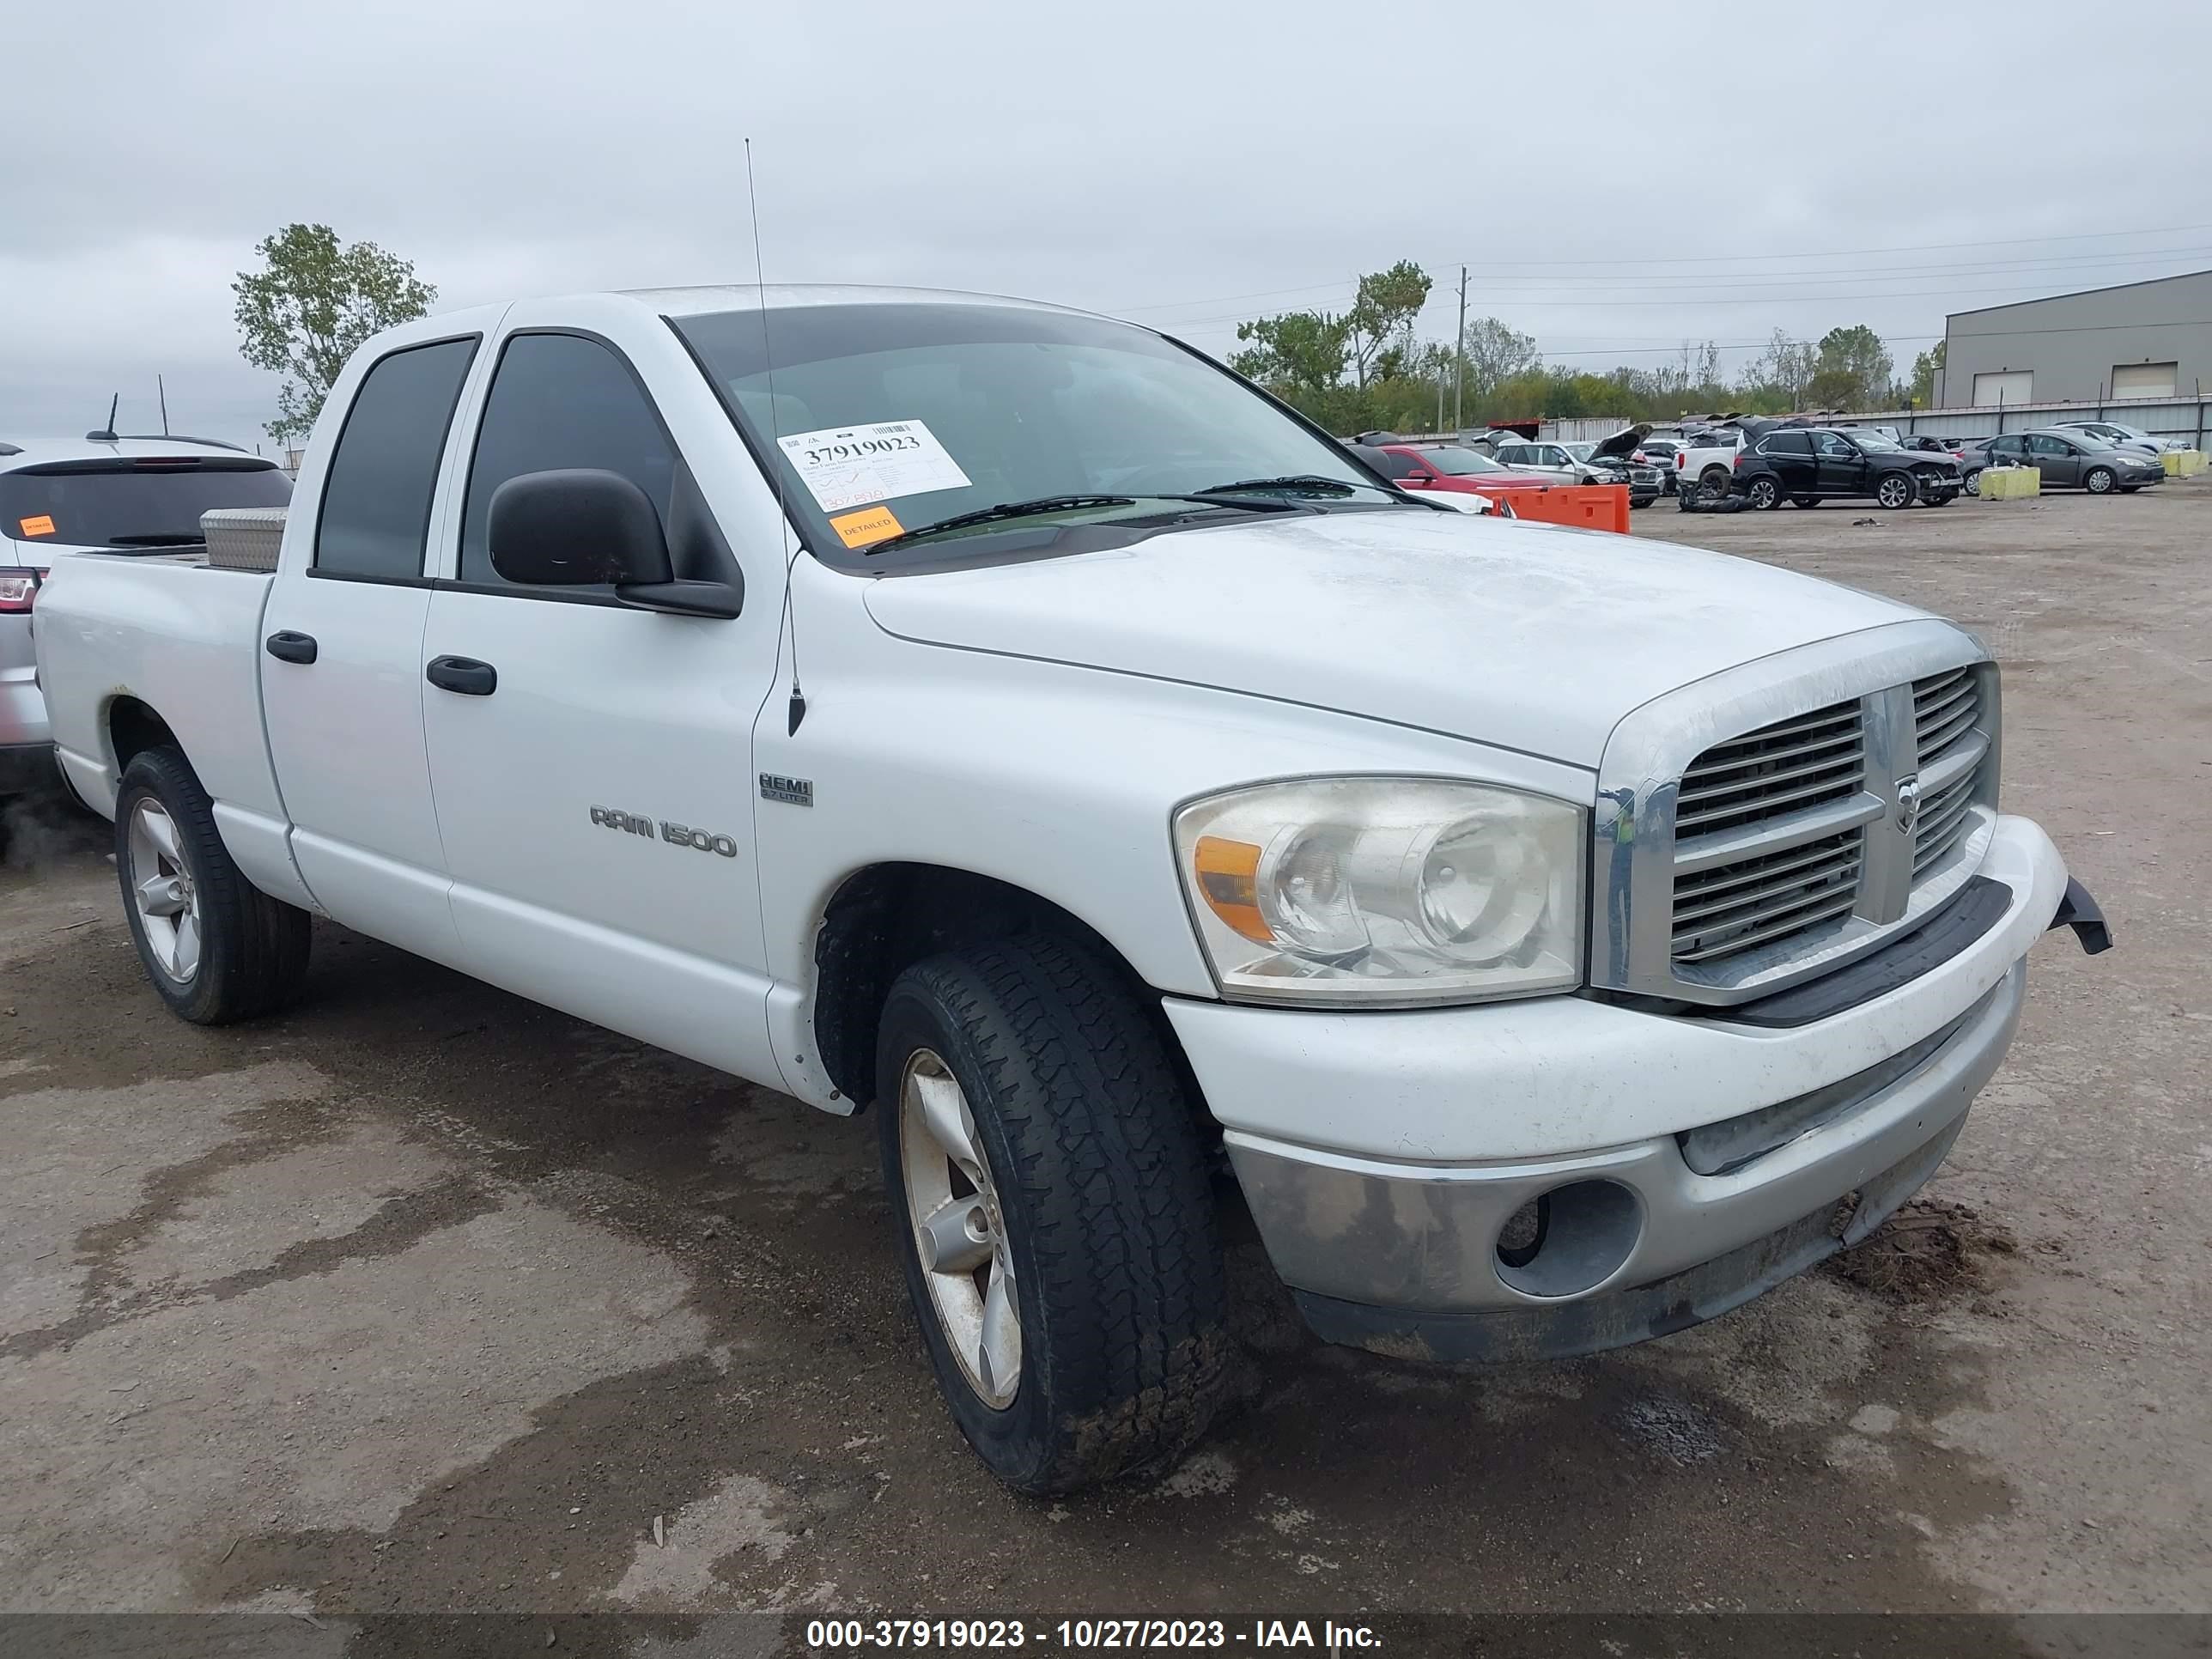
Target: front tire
(1895, 491)
(216, 948)
(1806, 500)
(1053, 1213)
(2099, 481)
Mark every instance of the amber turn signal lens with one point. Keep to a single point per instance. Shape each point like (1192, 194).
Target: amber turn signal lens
(1228, 879)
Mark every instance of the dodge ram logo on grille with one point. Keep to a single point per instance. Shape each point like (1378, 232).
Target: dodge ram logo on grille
(1908, 803)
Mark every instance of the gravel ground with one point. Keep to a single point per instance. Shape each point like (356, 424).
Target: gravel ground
(422, 1297)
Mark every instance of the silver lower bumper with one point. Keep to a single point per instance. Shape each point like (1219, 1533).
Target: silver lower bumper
(1381, 1252)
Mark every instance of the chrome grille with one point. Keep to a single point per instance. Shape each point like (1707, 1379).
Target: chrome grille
(1778, 769)
(1821, 823)
(1945, 710)
(1734, 907)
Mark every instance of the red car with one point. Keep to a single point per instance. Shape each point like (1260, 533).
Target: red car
(1444, 467)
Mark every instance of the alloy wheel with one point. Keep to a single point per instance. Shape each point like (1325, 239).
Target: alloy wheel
(959, 1230)
(163, 893)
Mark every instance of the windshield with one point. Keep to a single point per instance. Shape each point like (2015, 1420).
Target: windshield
(889, 418)
(1580, 451)
(130, 503)
(1460, 463)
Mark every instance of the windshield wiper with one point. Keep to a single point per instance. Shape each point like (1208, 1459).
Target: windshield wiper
(1004, 510)
(158, 538)
(1308, 483)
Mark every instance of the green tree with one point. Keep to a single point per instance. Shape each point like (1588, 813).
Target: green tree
(1781, 374)
(1495, 354)
(1854, 369)
(1297, 354)
(310, 305)
(1925, 368)
(1379, 327)
(1352, 371)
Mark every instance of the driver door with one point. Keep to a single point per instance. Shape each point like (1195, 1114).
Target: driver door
(2060, 461)
(1838, 467)
(590, 762)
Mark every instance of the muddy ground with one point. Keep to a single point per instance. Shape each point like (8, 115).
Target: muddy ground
(422, 1297)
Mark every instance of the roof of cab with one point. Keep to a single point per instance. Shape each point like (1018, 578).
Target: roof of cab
(733, 296)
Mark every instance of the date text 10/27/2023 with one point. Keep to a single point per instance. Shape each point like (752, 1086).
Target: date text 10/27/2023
(830, 1635)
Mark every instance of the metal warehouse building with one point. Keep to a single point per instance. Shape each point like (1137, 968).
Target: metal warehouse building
(2104, 346)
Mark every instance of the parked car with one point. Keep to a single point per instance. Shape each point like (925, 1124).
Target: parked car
(1810, 464)
(2118, 435)
(1705, 464)
(1446, 467)
(1143, 757)
(1934, 446)
(116, 494)
(2072, 460)
(1659, 453)
(1586, 464)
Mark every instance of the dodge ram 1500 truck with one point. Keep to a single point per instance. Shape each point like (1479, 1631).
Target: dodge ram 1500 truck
(1011, 720)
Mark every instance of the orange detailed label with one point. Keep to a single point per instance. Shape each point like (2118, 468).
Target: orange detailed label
(40, 525)
(870, 523)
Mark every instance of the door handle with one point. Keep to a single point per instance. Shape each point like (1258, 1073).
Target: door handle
(286, 646)
(465, 674)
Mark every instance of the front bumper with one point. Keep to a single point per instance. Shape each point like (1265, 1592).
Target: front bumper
(1385, 1156)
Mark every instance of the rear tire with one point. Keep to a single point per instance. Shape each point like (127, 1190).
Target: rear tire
(216, 948)
(1972, 484)
(1082, 1186)
(1763, 496)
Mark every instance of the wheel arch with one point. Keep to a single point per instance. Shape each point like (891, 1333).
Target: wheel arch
(884, 917)
(132, 726)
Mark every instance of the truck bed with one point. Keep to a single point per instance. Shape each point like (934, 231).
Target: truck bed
(180, 635)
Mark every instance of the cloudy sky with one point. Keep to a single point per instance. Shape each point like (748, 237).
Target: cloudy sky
(1617, 181)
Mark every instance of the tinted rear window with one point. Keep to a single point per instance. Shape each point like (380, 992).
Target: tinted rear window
(132, 503)
(376, 498)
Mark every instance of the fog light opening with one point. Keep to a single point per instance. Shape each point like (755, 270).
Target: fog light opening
(1523, 1235)
(1568, 1240)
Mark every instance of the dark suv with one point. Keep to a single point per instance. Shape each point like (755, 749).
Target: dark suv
(1811, 465)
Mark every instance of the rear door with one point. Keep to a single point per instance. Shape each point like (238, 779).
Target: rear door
(340, 672)
(1790, 454)
(594, 790)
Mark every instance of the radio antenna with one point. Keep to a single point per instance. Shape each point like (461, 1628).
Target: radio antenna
(796, 711)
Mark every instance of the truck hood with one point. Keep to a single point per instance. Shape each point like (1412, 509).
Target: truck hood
(1523, 635)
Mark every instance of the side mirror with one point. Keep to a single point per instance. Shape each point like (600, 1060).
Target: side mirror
(583, 526)
(576, 525)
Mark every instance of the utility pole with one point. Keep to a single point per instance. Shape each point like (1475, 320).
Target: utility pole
(1459, 355)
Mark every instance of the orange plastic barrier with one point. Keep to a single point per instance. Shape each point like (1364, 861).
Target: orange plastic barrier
(1586, 507)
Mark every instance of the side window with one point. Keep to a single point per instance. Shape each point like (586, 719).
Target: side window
(2038, 444)
(1401, 466)
(1787, 443)
(1827, 443)
(1516, 454)
(559, 400)
(375, 517)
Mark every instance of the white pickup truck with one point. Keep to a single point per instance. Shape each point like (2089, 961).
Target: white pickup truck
(1008, 719)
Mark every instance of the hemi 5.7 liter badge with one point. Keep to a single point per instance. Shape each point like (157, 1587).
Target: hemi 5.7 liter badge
(792, 792)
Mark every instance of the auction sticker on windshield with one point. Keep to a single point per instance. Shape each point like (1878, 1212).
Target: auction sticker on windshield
(845, 466)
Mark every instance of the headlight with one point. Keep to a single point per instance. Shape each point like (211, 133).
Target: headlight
(1384, 892)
